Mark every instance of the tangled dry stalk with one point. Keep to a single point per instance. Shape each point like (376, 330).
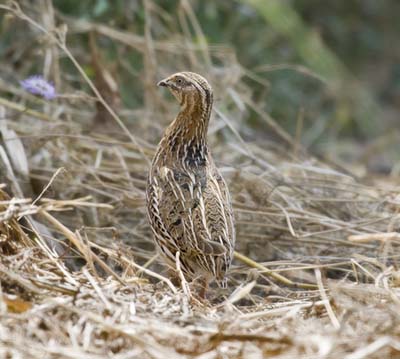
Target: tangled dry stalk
(78, 274)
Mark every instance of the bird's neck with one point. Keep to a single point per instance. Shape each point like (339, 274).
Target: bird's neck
(187, 134)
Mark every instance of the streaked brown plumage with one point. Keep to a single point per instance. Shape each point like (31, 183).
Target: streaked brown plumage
(188, 202)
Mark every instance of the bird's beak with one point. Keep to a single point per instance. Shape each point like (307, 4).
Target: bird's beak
(163, 83)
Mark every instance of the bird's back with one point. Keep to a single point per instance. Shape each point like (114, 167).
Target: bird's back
(190, 211)
(187, 199)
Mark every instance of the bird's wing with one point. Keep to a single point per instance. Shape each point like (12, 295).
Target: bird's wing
(192, 211)
(219, 210)
(214, 224)
(161, 228)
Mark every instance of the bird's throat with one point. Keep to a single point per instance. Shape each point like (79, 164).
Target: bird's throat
(187, 134)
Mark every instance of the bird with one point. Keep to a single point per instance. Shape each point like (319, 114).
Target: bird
(188, 202)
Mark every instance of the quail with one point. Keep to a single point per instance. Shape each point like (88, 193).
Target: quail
(188, 201)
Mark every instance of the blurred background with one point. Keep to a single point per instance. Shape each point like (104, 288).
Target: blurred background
(328, 73)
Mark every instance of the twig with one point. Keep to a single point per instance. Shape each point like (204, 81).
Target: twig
(369, 237)
(53, 177)
(184, 283)
(85, 251)
(141, 268)
(23, 109)
(324, 297)
(269, 272)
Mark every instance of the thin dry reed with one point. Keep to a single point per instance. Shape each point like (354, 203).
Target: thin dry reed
(316, 274)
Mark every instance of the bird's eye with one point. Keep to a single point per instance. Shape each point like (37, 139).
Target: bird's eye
(179, 81)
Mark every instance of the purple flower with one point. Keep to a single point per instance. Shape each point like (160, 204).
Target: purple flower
(37, 85)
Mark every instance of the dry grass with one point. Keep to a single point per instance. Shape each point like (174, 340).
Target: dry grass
(77, 269)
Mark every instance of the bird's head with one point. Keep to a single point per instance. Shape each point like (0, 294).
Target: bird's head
(188, 87)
